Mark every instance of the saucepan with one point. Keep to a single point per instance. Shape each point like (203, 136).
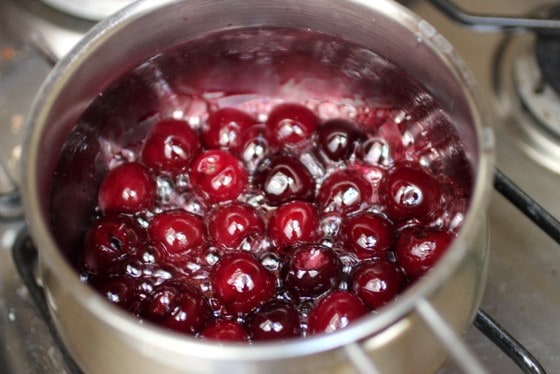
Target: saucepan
(416, 333)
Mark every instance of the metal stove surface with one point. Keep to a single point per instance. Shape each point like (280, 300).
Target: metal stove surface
(522, 294)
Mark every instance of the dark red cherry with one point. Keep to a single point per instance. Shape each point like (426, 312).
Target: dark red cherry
(310, 269)
(276, 320)
(177, 231)
(177, 306)
(338, 137)
(128, 188)
(411, 193)
(119, 289)
(253, 146)
(225, 331)
(294, 222)
(417, 249)
(224, 128)
(242, 283)
(228, 225)
(344, 191)
(368, 235)
(191, 313)
(335, 311)
(218, 176)
(108, 241)
(290, 124)
(170, 146)
(283, 178)
(375, 151)
(377, 282)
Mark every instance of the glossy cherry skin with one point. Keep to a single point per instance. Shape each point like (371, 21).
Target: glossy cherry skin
(253, 145)
(276, 320)
(241, 283)
(118, 289)
(283, 178)
(177, 306)
(170, 146)
(293, 222)
(411, 193)
(230, 224)
(128, 188)
(344, 191)
(218, 176)
(310, 269)
(368, 235)
(225, 331)
(335, 311)
(177, 231)
(108, 240)
(290, 125)
(418, 249)
(377, 282)
(375, 151)
(224, 128)
(337, 138)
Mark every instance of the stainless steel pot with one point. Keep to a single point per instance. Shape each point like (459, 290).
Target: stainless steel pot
(414, 334)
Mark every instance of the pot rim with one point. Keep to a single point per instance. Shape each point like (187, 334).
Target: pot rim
(51, 257)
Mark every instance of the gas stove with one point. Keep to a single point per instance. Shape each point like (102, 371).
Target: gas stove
(517, 73)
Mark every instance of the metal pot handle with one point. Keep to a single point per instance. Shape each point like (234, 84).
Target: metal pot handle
(459, 351)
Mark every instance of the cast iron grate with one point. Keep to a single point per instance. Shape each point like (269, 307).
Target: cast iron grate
(25, 259)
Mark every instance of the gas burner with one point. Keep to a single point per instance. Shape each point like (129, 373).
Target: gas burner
(527, 84)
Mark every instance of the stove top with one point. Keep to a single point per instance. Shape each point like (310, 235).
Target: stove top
(522, 290)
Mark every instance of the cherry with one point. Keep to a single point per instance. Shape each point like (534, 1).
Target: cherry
(128, 188)
(310, 269)
(344, 191)
(411, 193)
(230, 224)
(276, 320)
(377, 282)
(242, 283)
(283, 178)
(218, 176)
(253, 146)
(335, 311)
(375, 151)
(417, 249)
(108, 241)
(177, 306)
(170, 146)
(338, 137)
(224, 128)
(293, 222)
(290, 124)
(225, 331)
(368, 235)
(177, 231)
(119, 289)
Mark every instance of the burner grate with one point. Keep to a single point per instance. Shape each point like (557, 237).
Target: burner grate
(497, 23)
(25, 259)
